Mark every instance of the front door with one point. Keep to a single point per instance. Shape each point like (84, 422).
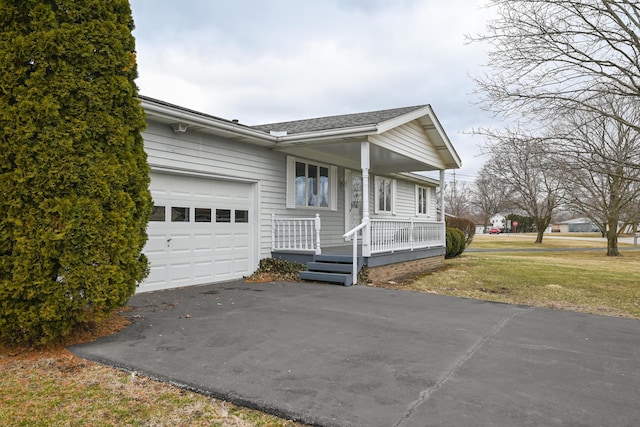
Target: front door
(353, 200)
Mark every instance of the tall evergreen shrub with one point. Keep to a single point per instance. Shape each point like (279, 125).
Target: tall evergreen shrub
(73, 174)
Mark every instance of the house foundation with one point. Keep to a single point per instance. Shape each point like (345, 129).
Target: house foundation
(404, 270)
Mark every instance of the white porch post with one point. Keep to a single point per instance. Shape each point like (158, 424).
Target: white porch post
(317, 227)
(442, 184)
(442, 217)
(366, 231)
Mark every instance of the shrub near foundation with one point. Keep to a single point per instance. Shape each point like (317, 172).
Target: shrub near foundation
(73, 173)
(455, 244)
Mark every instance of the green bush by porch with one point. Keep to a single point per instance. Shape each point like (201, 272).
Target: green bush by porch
(455, 243)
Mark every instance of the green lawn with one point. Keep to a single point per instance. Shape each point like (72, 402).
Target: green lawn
(586, 281)
(525, 241)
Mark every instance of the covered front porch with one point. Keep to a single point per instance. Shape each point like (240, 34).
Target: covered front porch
(354, 192)
(375, 243)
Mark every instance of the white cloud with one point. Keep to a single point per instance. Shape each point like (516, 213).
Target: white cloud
(263, 61)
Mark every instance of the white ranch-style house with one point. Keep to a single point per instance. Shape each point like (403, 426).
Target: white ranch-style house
(336, 192)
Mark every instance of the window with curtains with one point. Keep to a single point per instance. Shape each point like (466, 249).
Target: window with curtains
(385, 193)
(312, 185)
(422, 200)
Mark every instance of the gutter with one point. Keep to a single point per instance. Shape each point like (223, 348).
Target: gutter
(318, 136)
(177, 114)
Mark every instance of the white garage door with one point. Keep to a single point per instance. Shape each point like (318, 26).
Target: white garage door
(200, 231)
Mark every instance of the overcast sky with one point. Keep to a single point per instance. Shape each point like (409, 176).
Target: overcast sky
(262, 61)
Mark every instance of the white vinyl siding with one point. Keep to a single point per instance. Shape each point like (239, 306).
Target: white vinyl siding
(215, 156)
(409, 140)
(220, 158)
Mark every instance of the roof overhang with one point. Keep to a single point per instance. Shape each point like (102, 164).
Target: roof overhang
(383, 158)
(185, 120)
(340, 146)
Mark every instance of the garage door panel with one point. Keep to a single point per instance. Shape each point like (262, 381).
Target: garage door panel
(157, 274)
(223, 267)
(203, 270)
(156, 245)
(241, 265)
(159, 193)
(223, 242)
(199, 250)
(181, 243)
(181, 271)
(203, 243)
(241, 241)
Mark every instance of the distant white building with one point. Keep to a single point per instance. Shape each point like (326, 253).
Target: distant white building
(576, 225)
(498, 221)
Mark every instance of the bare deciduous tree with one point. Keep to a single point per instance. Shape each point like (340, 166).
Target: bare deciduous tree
(600, 159)
(456, 199)
(524, 171)
(487, 197)
(548, 56)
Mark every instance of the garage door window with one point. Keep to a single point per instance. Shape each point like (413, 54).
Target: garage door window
(242, 216)
(157, 213)
(179, 214)
(203, 215)
(223, 215)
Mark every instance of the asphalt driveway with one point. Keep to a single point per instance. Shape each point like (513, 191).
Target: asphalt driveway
(334, 356)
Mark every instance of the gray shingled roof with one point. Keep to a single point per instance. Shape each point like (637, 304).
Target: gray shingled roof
(336, 122)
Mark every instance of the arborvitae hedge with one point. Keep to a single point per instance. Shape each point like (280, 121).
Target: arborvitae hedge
(73, 174)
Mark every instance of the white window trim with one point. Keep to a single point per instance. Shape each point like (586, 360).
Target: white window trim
(291, 189)
(426, 214)
(394, 192)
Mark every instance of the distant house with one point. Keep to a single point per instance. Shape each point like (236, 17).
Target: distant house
(498, 221)
(227, 195)
(576, 225)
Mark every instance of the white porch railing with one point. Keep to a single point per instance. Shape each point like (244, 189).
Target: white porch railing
(296, 234)
(390, 235)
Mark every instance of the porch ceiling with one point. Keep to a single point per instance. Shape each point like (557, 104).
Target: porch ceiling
(347, 154)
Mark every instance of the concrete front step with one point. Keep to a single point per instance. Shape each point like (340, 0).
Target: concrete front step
(331, 267)
(333, 258)
(320, 276)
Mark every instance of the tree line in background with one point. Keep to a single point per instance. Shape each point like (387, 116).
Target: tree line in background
(565, 75)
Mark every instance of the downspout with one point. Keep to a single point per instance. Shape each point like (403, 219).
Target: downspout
(366, 231)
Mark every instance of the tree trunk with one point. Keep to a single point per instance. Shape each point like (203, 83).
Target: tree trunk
(541, 225)
(612, 239)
